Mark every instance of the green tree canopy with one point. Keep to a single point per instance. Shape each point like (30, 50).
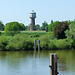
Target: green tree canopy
(12, 28)
(44, 25)
(52, 25)
(27, 27)
(1, 26)
(37, 27)
(59, 30)
(70, 33)
(23, 26)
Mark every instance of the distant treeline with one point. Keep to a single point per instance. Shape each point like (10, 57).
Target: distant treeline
(44, 26)
(24, 27)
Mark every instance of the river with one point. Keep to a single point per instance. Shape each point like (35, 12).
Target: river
(29, 63)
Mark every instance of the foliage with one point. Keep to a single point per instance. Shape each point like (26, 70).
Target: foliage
(1, 26)
(37, 27)
(52, 25)
(24, 42)
(69, 22)
(56, 44)
(23, 26)
(20, 42)
(44, 42)
(3, 42)
(46, 28)
(59, 30)
(44, 25)
(27, 27)
(12, 28)
(71, 34)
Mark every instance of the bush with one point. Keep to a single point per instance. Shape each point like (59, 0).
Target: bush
(44, 40)
(51, 45)
(3, 42)
(59, 44)
(62, 44)
(20, 42)
(70, 33)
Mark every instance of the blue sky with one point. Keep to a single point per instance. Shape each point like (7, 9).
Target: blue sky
(46, 10)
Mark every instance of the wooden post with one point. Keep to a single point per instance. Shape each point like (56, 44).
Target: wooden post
(53, 64)
(35, 45)
(39, 48)
(38, 45)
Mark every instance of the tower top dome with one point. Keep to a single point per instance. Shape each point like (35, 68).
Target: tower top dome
(32, 12)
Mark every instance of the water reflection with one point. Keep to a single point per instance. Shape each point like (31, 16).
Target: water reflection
(28, 62)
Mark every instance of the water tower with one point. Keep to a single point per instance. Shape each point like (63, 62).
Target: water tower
(32, 16)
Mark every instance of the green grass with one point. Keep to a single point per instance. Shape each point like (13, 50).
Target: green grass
(33, 34)
(30, 33)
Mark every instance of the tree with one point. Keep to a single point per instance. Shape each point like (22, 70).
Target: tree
(69, 22)
(59, 30)
(70, 33)
(46, 28)
(12, 28)
(44, 25)
(1, 26)
(52, 25)
(27, 27)
(23, 26)
(37, 27)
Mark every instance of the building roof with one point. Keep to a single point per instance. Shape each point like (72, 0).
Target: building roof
(32, 12)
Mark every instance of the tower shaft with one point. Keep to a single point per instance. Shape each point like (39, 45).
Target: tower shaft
(32, 25)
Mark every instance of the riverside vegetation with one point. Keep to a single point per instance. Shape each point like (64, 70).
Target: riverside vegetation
(60, 35)
(26, 42)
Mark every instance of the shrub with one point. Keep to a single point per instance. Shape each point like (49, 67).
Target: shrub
(59, 44)
(20, 42)
(3, 42)
(44, 42)
(62, 44)
(51, 45)
(70, 33)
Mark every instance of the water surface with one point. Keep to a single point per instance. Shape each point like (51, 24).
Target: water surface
(29, 63)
